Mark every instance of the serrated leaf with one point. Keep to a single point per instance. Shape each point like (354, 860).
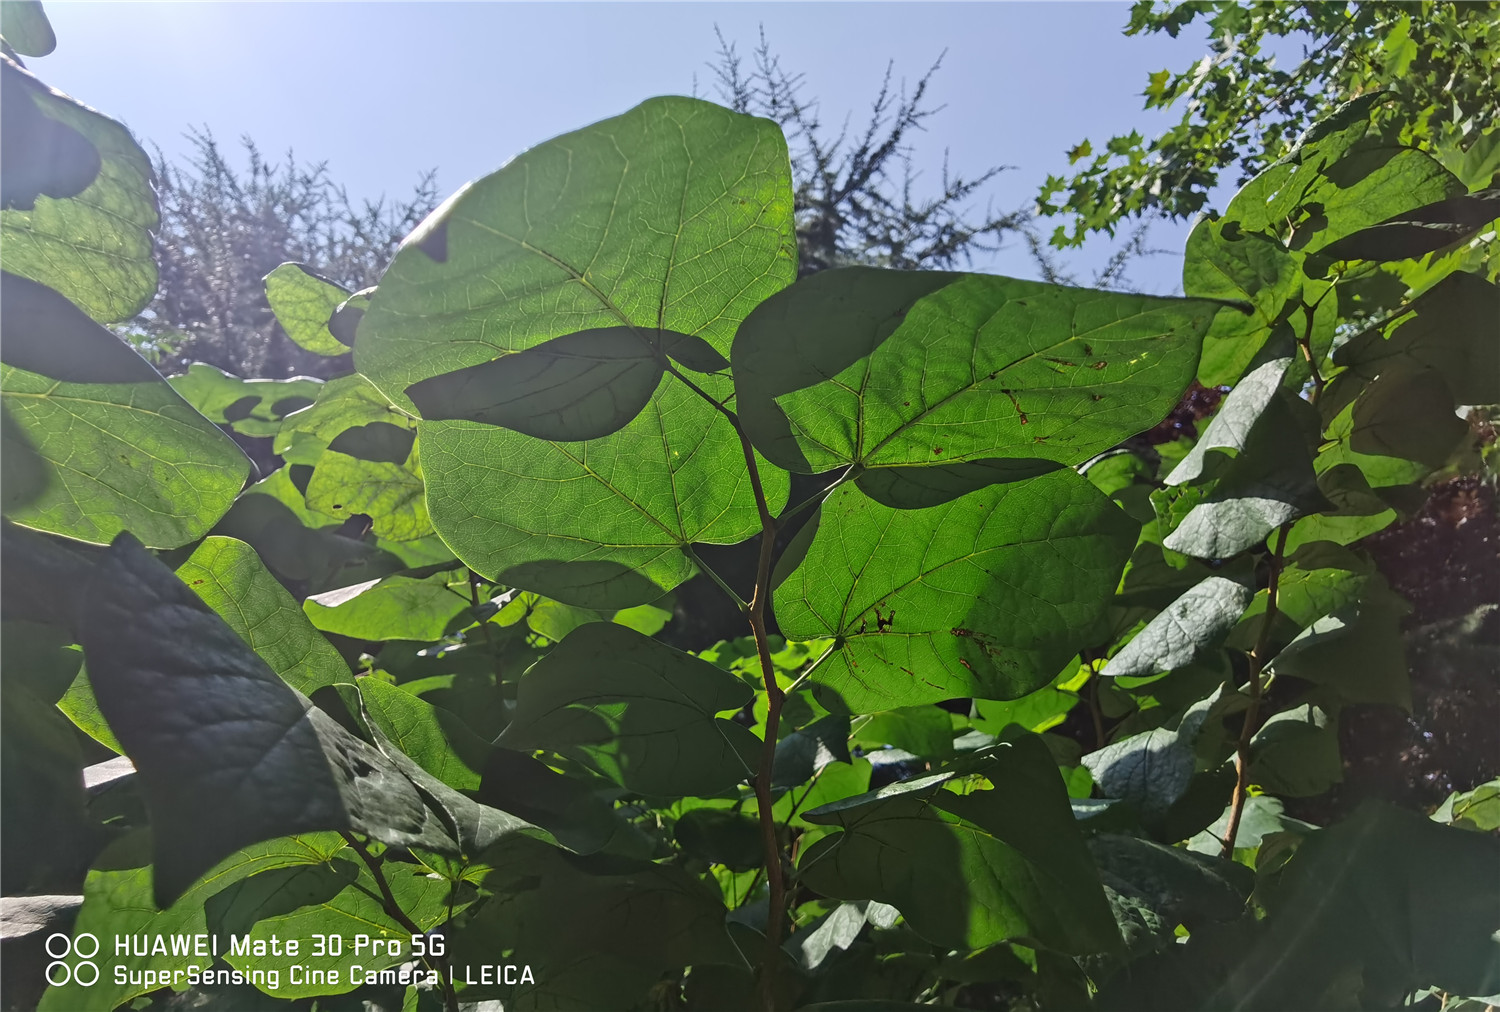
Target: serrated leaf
(970, 870)
(392, 608)
(119, 447)
(1189, 625)
(884, 369)
(1008, 584)
(253, 407)
(601, 523)
(637, 711)
(578, 386)
(304, 304)
(230, 578)
(228, 753)
(93, 246)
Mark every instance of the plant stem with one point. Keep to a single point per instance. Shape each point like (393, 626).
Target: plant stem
(756, 612)
(817, 497)
(1252, 712)
(394, 911)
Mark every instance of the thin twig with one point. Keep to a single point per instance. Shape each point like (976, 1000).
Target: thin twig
(1252, 712)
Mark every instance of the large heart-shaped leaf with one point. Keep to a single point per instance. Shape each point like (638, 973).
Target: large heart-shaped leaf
(304, 303)
(886, 368)
(987, 595)
(229, 754)
(253, 407)
(118, 447)
(637, 711)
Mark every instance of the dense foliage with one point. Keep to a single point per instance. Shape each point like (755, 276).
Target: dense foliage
(412, 686)
(1245, 104)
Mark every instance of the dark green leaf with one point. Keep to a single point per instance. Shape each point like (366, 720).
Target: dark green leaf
(229, 754)
(1154, 888)
(1357, 653)
(1224, 262)
(346, 403)
(1194, 622)
(908, 488)
(304, 303)
(435, 738)
(721, 837)
(970, 870)
(924, 731)
(637, 711)
(883, 369)
(93, 245)
(1009, 583)
(119, 902)
(805, 752)
(391, 495)
(578, 386)
(1419, 231)
(574, 812)
(1389, 899)
(1296, 753)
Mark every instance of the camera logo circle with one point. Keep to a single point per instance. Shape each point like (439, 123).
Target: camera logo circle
(83, 971)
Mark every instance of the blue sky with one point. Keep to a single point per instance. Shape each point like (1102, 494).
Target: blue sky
(383, 91)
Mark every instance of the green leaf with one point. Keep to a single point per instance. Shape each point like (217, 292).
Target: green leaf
(807, 751)
(1267, 482)
(1477, 809)
(1389, 899)
(1356, 653)
(230, 578)
(348, 402)
(1419, 231)
(595, 933)
(46, 831)
(228, 753)
(1010, 582)
(637, 711)
(1154, 769)
(118, 903)
(79, 705)
(1450, 331)
(721, 837)
(390, 494)
(91, 244)
(884, 368)
(26, 28)
(304, 304)
(576, 813)
(120, 448)
(1153, 888)
(1296, 753)
(336, 899)
(970, 870)
(252, 407)
(606, 521)
(392, 608)
(435, 738)
(1197, 620)
(1224, 262)
(675, 216)
(1036, 711)
(578, 386)
(924, 731)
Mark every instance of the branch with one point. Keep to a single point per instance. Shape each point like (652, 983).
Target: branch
(1252, 712)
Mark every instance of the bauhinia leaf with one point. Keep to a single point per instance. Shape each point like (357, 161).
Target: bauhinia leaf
(118, 447)
(987, 595)
(228, 753)
(637, 711)
(884, 368)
